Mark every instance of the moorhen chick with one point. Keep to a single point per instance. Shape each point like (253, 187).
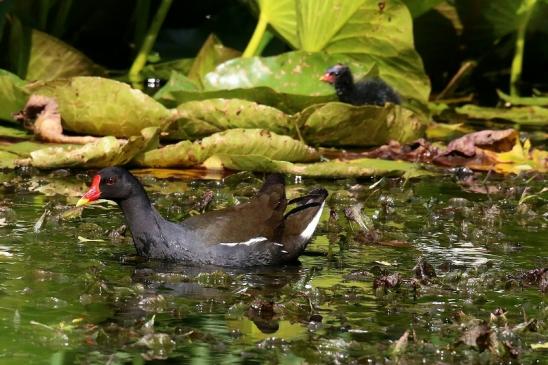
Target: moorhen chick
(369, 91)
(257, 232)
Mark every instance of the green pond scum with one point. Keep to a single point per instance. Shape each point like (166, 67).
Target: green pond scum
(437, 270)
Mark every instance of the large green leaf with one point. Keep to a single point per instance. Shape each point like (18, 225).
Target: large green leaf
(339, 124)
(51, 58)
(241, 141)
(281, 15)
(419, 7)
(198, 119)
(99, 106)
(372, 32)
(24, 149)
(107, 151)
(211, 54)
(180, 89)
(12, 95)
(292, 72)
(335, 168)
(299, 72)
(527, 115)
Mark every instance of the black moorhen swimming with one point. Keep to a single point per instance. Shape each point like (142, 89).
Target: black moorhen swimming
(258, 232)
(370, 91)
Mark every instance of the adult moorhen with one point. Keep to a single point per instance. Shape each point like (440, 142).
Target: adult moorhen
(258, 232)
(369, 91)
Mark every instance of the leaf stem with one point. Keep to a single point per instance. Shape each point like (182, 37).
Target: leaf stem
(141, 21)
(148, 43)
(255, 41)
(517, 62)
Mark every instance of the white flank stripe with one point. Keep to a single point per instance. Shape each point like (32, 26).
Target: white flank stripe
(307, 233)
(245, 243)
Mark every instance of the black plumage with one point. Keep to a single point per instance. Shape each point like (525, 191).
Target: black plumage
(369, 91)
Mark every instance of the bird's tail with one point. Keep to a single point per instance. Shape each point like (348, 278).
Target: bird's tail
(301, 222)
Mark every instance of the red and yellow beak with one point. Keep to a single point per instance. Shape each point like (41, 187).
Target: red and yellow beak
(328, 78)
(93, 193)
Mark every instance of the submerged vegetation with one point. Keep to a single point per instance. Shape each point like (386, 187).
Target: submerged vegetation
(430, 249)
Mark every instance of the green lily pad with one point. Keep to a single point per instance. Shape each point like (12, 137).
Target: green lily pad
(336, 168)
(211, 54)
(107, 151)
(242, 141)
(198, 119)
(24, 149)
(527, 115)
(12, 95)
(51, 58)
(99, 106)
(339, 124)
(359, 29)
(180, 89)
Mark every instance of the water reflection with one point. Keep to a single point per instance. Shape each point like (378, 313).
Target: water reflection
(458, 253)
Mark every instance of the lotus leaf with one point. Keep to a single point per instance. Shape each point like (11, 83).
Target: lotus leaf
(241, 141)
(51, 58)
(99, 106)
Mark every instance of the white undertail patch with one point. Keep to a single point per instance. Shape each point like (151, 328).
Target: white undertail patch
(309, 230)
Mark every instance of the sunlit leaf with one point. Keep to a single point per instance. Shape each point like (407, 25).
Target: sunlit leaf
(23, 149)
(372, 32)
(180, 89)
(107, 151)
(340, 124)
(210, 55)
(335, 168)
(281, 15)
(240, 141)
(99, 106)
(198, 119)
(522, 158)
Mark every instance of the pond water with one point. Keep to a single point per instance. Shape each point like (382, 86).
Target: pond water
(72, 290)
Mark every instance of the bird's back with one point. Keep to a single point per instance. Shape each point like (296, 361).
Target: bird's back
(374, 91)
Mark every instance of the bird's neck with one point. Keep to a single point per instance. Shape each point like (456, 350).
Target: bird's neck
(144, 222)
(345, 86)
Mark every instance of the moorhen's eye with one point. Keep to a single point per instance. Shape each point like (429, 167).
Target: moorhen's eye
(332, 73)
(110, 180)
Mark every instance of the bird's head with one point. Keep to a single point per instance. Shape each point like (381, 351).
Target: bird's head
(334, 73)
(112, 183)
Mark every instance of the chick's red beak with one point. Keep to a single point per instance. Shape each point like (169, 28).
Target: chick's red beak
(92, 194)
(328, 78)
